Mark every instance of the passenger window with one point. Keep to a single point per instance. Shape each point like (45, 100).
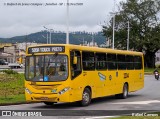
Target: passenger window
(129, 62)
(88, 60)
(137, 62)
(121, 62)
(112, 61)
(101, 61)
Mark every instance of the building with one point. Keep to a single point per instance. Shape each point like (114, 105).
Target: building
(13, 53)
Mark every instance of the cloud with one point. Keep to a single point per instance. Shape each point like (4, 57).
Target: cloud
(25, 17)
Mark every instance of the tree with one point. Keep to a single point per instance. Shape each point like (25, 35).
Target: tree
(144, 27)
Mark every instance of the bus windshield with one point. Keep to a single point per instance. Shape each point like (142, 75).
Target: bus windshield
(46, 68)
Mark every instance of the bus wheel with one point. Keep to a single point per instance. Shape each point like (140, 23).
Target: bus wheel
(86, 97)
(123, 95)
(48, 103)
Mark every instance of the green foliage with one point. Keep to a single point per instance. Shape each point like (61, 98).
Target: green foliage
(144, 27)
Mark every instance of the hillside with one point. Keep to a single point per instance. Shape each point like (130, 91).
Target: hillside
(57, 37)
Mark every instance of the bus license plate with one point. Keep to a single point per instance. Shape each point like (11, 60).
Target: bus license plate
(44, 98)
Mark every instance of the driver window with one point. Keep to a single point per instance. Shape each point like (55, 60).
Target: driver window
(75, 68)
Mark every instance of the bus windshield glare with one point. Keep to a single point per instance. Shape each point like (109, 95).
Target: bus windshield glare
(46, 68)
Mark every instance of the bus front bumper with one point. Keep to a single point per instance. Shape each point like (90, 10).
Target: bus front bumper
(48, 97)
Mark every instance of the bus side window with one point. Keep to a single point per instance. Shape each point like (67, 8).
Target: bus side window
(101, 61)
(88, 60)
(112, 61)
(75, 68)
(129, 62)
(121, 62)
(137, 62)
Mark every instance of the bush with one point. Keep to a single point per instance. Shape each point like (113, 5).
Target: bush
(10, 71)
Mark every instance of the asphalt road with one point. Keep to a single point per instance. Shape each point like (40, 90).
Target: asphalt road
(5, 67)
(143, 100)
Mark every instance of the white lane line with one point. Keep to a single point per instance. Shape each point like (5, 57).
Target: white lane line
(139, 102)
(101, 117)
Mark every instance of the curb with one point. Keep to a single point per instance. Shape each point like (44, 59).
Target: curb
(18, 103)
(148, 73)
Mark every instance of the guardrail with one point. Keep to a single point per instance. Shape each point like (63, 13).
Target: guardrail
(3, 67)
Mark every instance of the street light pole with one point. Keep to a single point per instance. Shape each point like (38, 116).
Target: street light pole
(67, 22)
(128, 37)
(45, 37)
(50, 30)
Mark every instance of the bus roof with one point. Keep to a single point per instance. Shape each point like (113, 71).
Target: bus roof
(93, 49)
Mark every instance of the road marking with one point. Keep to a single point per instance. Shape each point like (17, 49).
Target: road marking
(100, 117)
(139, 102)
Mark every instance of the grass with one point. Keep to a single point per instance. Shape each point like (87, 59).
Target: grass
(12, 99)
(149, 70)
(11, 88)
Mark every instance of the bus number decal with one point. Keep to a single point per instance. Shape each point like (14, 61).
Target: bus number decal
(126, 75)
(110, 77)
(35, 49)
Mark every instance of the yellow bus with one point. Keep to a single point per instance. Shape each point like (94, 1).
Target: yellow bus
(71, 73)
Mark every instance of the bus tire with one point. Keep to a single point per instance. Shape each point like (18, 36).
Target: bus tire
(48, 103)
(124, 94)
(86, 97)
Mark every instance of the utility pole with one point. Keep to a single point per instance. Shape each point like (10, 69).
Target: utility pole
(113, 24)
(113, 32)
(67, 23)
(93, 40)
(113, 27)
(128, 37)
(47, 38)
(50, 36)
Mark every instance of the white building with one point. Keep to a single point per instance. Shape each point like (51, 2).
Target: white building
(92, 44)
(23, 46)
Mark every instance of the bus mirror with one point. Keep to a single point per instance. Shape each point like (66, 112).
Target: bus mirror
(75, 60)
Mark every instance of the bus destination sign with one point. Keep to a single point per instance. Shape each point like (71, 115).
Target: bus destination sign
(46, 49)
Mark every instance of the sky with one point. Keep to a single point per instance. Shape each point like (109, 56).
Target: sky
(22, 17)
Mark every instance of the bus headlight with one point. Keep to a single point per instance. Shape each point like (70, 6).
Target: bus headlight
(64, 90)
(28, 91)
